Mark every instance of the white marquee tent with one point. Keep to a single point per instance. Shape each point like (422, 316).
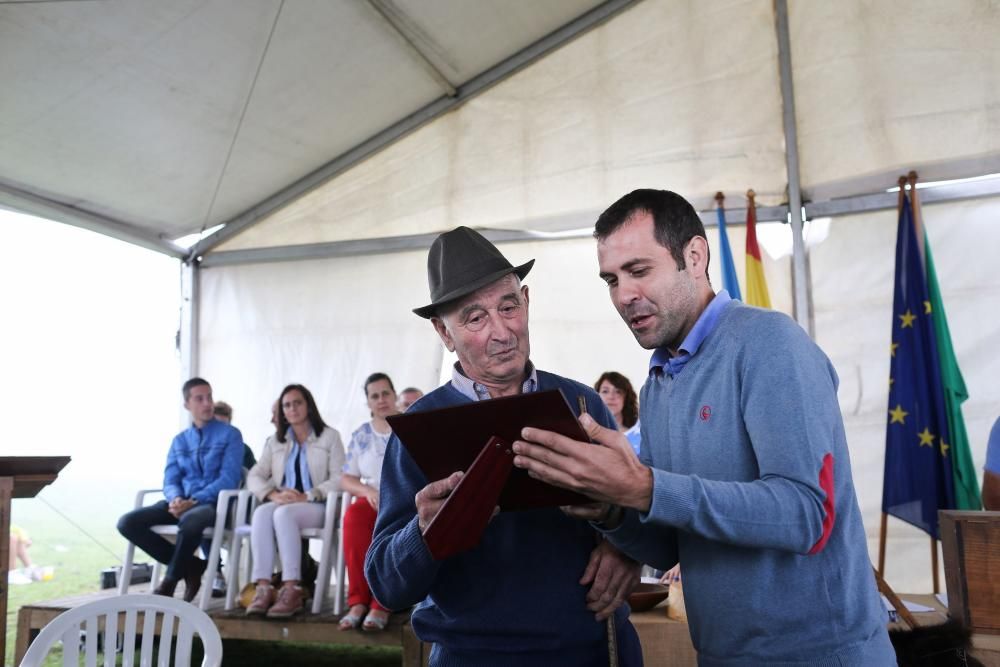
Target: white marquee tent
(331, 140)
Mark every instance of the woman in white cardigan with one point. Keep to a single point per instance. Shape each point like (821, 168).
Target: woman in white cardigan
(301, 465)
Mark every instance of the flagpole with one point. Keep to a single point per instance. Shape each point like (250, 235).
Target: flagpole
(881, 545)
(919, 231)
(882, 534)
(918, 222)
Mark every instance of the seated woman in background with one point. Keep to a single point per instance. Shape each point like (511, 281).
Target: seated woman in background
(620, 398)
(362, 474)
(300, 466)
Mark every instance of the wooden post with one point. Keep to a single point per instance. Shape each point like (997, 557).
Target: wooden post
(934, 565)
(881, 545)
(6, 493)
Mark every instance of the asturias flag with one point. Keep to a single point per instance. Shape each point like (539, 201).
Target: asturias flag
(918, 469)
(729, 280)
(756, 285)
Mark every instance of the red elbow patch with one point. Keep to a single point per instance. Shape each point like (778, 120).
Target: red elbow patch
(829, 511)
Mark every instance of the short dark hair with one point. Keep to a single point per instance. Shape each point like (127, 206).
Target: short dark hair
(315, 420)
(630, 402)
(191, 384)
(407, 390)
(675, 222)
(223, 409)
(375, 377)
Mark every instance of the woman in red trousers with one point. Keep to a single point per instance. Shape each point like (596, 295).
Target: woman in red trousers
(362, 474)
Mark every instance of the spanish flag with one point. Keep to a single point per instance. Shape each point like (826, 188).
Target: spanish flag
(755, 282)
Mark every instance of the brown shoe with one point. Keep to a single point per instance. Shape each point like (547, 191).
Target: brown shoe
(192, 580)
(166, 587)
(291, 600)
(263, 598)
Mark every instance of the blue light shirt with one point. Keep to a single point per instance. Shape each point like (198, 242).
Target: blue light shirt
(663, 362)
(480, 392)
(291, 474)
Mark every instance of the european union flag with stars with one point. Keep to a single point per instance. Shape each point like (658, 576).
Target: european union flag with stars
(918, 476)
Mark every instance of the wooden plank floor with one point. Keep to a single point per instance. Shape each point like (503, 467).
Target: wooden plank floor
(234, 624)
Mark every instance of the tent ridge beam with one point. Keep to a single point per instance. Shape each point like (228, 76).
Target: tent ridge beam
(35, 204)
(439, 107)
(833, 208)
(406, 243)
(402, 27)
(887, 200)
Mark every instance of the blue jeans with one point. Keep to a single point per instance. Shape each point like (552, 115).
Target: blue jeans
(179, 558)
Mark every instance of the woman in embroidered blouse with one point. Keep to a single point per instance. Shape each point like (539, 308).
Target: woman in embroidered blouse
(300, 466)
(362, 474)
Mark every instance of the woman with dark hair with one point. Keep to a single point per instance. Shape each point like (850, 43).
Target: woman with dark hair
(362, 475)
(621, 400)
(300, 466)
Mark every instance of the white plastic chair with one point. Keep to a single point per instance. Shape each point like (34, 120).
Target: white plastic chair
(218, 533)
(106, 612)
(331, 544)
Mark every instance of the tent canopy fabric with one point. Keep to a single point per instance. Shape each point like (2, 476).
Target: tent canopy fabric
(176, 117)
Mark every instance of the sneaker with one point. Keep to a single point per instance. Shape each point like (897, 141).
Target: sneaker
(263, 598)
(218, 586)
(291, 600)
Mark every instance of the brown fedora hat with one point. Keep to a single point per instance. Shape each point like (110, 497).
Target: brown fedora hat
(460, 262)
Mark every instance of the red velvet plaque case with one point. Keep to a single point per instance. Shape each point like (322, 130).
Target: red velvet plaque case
(476, 438)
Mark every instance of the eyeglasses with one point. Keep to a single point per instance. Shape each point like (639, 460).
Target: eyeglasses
(477, 319)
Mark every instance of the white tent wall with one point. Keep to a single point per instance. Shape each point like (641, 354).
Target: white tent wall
(326, 324)
(883, 87)
(852, 280)
(677, 93)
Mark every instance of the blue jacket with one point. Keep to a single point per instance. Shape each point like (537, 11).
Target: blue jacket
(203, 462)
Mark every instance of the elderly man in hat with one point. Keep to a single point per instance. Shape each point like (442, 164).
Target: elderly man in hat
(536, 590)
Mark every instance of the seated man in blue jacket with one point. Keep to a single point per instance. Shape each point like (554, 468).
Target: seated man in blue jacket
(204, 459)
(538, 588)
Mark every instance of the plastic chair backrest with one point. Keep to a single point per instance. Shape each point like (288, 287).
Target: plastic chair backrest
(89, 618)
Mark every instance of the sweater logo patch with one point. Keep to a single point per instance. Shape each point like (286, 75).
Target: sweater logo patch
(706, 413)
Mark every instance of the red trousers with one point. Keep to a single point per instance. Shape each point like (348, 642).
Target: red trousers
(359, 527)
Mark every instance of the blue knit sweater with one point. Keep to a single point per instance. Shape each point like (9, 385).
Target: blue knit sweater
(752, 494)
(515, 599)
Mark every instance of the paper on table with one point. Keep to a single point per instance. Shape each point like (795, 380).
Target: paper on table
(942, 598)
(912, 606)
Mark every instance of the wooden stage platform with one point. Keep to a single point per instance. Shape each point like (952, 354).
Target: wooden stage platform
(665, 642)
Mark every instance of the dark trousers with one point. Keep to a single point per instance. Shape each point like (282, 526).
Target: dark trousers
(135, 527)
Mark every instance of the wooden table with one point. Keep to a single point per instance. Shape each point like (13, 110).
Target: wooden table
(20, 477)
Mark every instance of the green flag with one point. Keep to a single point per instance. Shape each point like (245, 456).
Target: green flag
(955, 393)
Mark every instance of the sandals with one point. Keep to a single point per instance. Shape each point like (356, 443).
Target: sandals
(350, 621)
(374, 623)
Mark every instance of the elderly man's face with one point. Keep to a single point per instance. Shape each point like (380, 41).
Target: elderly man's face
(488, 330)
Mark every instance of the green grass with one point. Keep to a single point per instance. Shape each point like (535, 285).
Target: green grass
(78, 561)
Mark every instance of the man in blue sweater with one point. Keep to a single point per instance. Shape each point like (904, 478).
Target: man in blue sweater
(535, 591)
(743, 475)
(203, 460)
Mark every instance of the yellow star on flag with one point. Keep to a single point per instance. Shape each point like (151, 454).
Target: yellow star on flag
(944, 448)
(898, 416)
(926, 437)
(907, 319)
(927, 307)
(892, 349)
(891, 380)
